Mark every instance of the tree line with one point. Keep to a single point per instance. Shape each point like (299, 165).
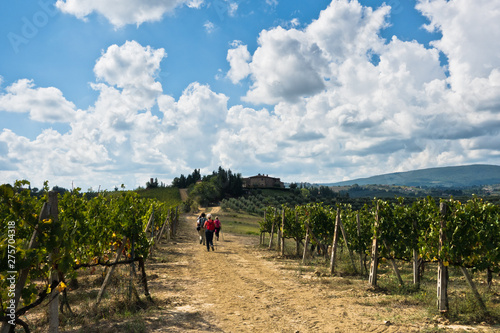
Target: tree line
(210, 189)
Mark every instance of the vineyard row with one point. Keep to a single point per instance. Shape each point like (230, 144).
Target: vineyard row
(449, 232)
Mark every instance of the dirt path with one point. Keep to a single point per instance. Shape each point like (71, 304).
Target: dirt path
(183, 193)
(237, 288)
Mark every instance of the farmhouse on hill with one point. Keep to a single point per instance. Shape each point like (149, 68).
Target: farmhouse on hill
(262, 181)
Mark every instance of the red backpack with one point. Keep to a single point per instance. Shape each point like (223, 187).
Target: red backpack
(210, 225)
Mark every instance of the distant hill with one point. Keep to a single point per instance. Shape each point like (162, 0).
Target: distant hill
(456, 176)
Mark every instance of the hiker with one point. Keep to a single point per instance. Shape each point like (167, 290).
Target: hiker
(200, 226)
(217, 227)
(209, 232)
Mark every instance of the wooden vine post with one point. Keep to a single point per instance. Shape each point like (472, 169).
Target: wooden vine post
(472, 286)
(374, 259)
(341, 226)
(144, 280)
(150, 221)
(442, 279)
(168, 228)
(297, 242)
(153, 224)
(110, 272)
(283, 232)
(54, 277)
(272, 230)
(360, 250)
(172, 230)
(393, 263)
(165, 223)
(335, 242)
(131, 288)
(416, 275)
(306, 245)
(311, 235)
(169, 224)
(175, 221)
(279, 235)
(263, 233)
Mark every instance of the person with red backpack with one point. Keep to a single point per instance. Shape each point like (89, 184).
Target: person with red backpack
(209, 232)
(217, 227)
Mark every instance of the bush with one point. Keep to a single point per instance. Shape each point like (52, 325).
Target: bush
(189, 206)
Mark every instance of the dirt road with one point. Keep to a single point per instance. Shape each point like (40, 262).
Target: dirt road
(241, 288)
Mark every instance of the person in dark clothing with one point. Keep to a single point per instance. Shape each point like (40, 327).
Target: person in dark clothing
(209, 232)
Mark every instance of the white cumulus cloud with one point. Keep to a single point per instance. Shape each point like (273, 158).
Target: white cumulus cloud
(291, 63)
(123, 12)
(132, 68)
(42, 104)
(238, 58)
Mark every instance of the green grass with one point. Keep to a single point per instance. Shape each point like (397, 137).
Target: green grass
(239, 223)
(169, 195)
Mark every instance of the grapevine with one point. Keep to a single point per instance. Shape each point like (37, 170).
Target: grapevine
(84, 233)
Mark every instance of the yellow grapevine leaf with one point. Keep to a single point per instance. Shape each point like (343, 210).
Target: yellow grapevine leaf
(61, 286)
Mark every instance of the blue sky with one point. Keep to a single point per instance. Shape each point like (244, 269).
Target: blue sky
(94, 94)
